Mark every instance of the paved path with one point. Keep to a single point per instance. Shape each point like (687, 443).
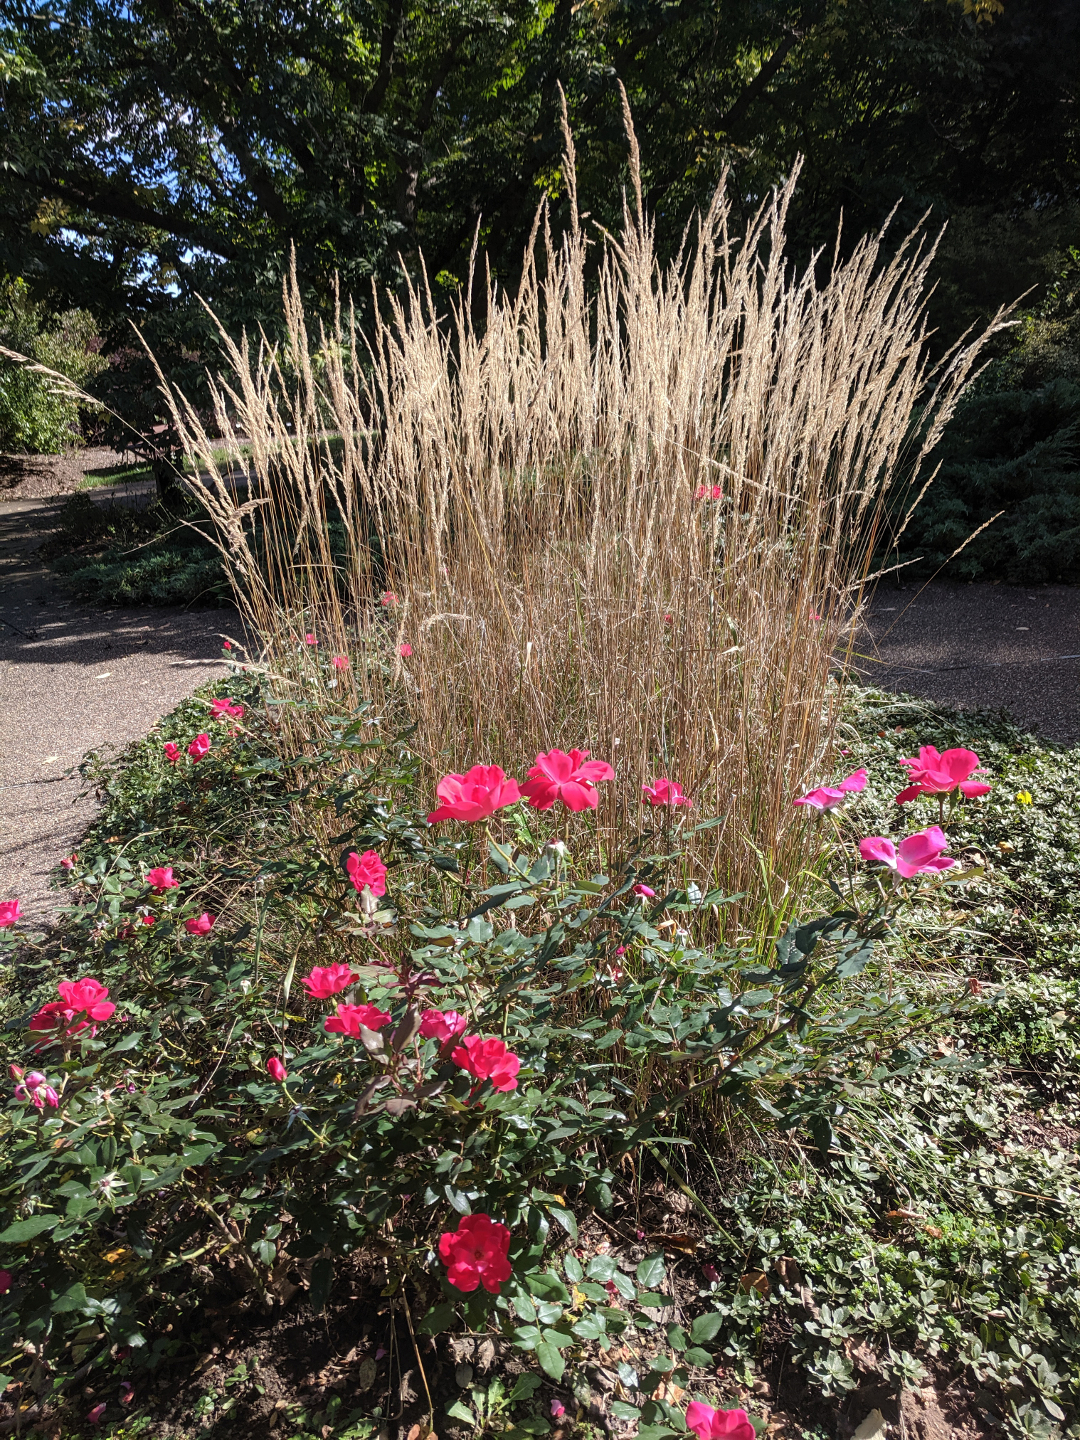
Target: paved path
(71, 680)
(981, 645)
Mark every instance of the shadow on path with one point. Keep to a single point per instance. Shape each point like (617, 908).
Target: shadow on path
(1001, 646)
(73, 679)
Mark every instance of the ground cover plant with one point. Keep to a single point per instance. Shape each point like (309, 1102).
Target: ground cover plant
(121, 554)
(882, 1194)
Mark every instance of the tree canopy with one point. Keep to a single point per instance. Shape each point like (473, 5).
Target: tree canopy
(155, 149)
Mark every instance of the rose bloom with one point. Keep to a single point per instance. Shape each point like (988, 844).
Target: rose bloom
(488, 1060)
(310, 640)
(828, 797)
(37, 1090)
(442, 1025)
(367, 870)
(476, 1254)
(644, 892)
(199, 747)
(10, 911)
(389, 599)
(220, 708)
(78, 997)
(68, 862)
(327, 980)
(161, 879)
(920, 854)
(5, 1281)
(200, 924)
(567, 777)
(475, 795)
(172, 752)
(340, 662)
(934, 774)
(349, 1018)
(276, 1069)
(406, 649)
(710, 1424)
(663, 791)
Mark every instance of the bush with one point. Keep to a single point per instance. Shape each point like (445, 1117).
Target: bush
(1013, 447)
(174, 1136)
(33, 417)
(122, 555)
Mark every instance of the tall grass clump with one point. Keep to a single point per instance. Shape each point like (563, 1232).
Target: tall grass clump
(631, 513)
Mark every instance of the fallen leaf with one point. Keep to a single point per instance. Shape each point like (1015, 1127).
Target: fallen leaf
(754, 1280)
(872, 1428)
(686, 1243)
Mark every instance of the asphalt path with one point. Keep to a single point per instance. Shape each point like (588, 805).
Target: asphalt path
(73, 679)
(996, 646)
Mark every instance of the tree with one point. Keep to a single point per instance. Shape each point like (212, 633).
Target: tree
(161, 148)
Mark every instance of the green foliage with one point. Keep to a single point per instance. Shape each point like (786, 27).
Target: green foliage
(942, 1231)
(1013, 451)
(171, 1139)
(913, 1200)
(407, 121)
(116, 554)
(32, 416)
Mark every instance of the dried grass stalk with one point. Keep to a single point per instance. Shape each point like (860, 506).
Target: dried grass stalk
(535, 485)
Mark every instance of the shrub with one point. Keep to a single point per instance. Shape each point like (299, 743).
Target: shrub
(213, 1109)
(34, 415)
(122, 555)
(1012, 451)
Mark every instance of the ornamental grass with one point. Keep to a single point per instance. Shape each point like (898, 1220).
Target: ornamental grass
(624, 506)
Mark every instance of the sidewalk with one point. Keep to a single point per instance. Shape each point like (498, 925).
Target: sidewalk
(71, 680)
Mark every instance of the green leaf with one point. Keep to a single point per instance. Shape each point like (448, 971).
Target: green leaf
(524, 1386)
(705, 1327)
(572, 1266)
(74, 1298)
(460, 1411)
(23, 1230)
(651, 1271)
(438, 1319)
(694, 1356)
(602, 1268)
(676, 1336)
(265, 1250)
(129, 1042)
(551, 1362)
(565, 1219)
(548, 1286)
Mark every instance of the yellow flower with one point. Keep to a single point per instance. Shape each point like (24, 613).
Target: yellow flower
(1023, 797)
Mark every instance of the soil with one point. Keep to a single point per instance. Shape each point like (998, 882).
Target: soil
(39, 477)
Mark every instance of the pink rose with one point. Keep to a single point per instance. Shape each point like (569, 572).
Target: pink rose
(476, 1254)
(571, 778)
(475, 795)
(488, 1060)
